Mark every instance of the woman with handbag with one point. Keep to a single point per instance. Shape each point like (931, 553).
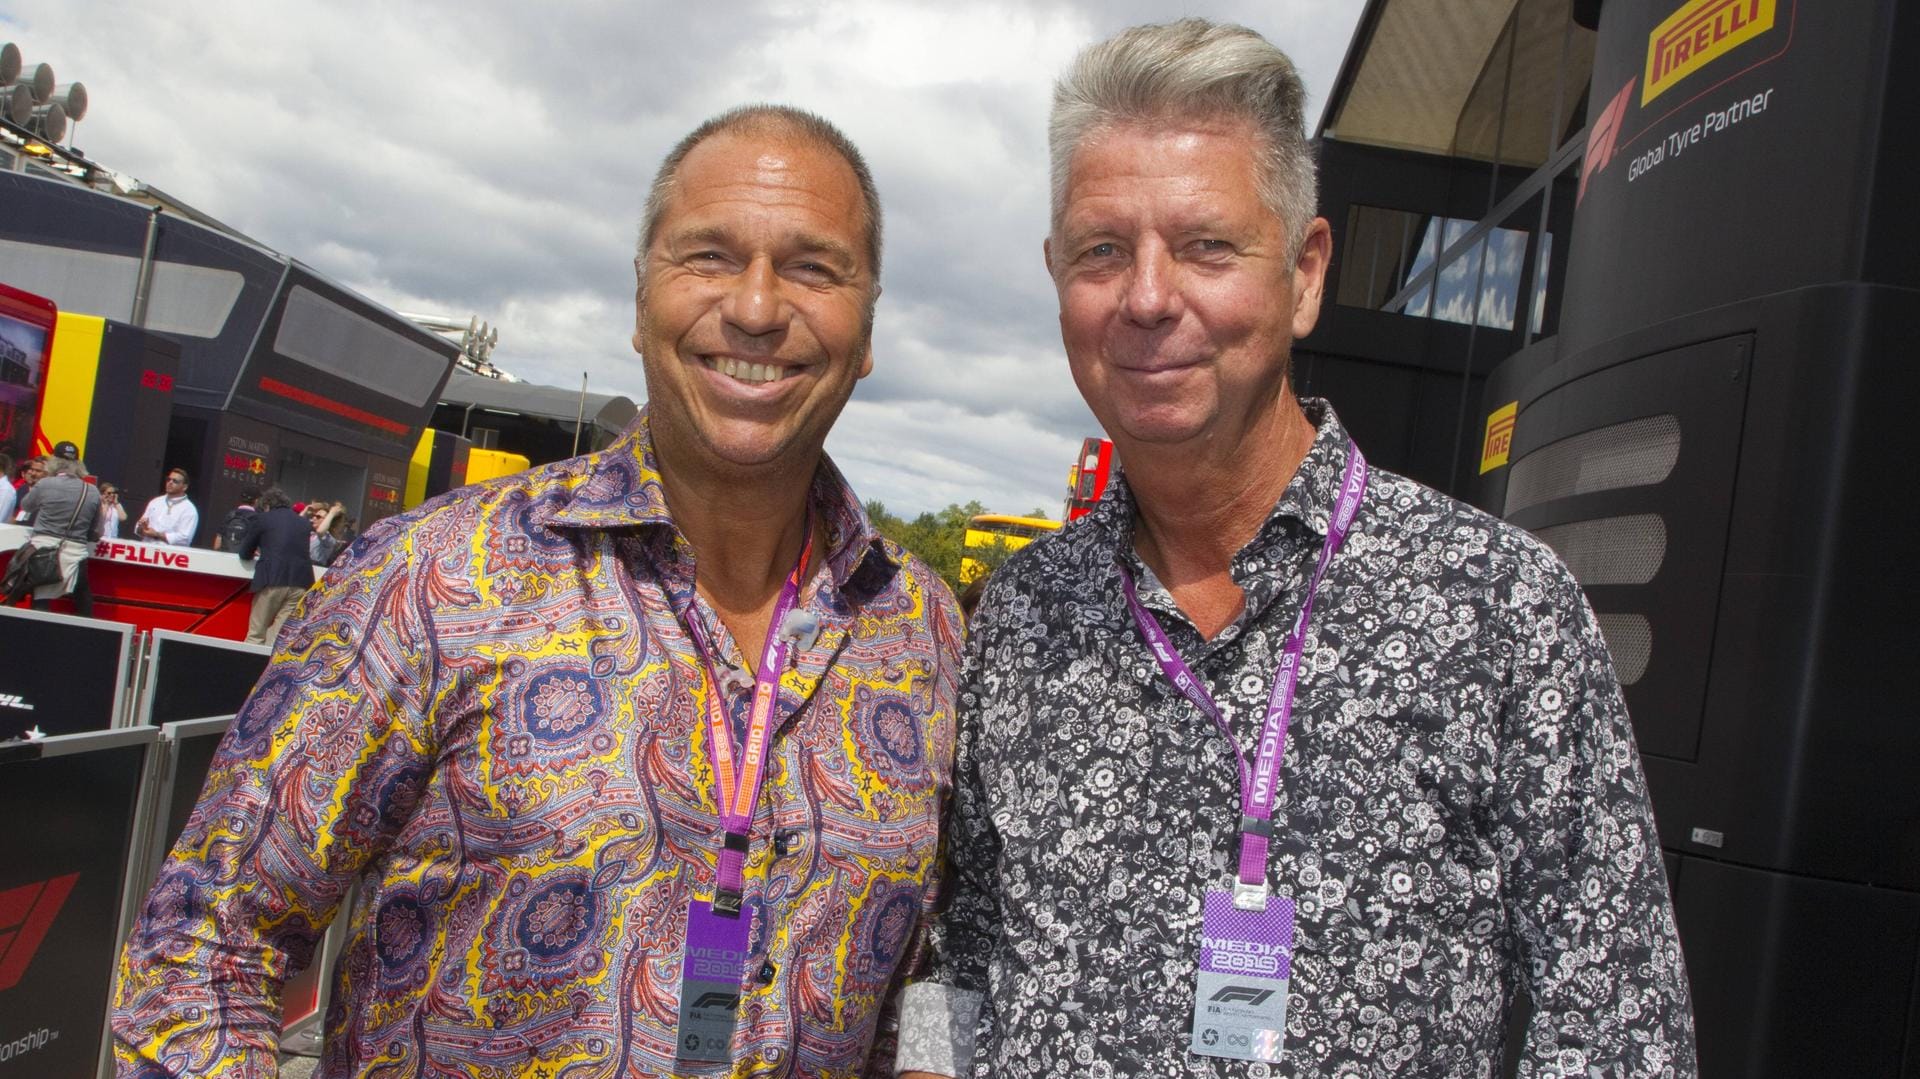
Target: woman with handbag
(65, 511)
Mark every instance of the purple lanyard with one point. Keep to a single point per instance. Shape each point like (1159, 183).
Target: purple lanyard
(737, 792)
(1259, 783)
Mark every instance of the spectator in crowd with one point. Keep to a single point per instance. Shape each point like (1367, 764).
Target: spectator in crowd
(30, 473)
(69, 451)
(276, 538)
(330, 532)
(9, 497)
(112, 514)
(233, 527)
(65, 511)
(171, 517)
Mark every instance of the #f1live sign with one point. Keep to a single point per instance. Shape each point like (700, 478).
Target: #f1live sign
(62, 865)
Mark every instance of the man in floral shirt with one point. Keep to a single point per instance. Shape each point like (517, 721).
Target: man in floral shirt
(1274, 765)
(599, 828)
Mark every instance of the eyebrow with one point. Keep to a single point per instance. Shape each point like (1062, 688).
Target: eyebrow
(805, 242)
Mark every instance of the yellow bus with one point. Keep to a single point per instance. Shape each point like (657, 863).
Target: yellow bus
(991, 537)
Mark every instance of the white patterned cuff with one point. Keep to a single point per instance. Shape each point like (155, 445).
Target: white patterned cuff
(937, 1025)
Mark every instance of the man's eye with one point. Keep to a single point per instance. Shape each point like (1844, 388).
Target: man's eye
(1103, 251)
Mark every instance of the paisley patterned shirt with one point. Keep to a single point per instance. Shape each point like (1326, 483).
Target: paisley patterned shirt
(490, 716)
(1461, 812)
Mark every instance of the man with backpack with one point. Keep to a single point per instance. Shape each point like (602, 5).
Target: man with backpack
(233, 527)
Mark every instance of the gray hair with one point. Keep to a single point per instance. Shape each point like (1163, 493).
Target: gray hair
(62, 466)
(1187, 71)
(762, 119)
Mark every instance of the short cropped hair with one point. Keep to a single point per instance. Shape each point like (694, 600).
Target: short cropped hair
(762, 119)
(1192, 70)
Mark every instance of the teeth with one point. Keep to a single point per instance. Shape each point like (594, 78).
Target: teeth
(750, 372)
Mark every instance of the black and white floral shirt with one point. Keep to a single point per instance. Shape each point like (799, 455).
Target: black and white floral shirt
(1461, 812)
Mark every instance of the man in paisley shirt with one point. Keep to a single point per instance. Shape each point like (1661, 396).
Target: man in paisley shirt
(535, 723)
(1274, 765)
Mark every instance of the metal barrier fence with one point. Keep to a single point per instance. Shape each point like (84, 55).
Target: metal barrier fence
(131, 723)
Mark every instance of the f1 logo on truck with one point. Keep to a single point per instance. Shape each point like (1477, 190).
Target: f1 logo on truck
(26, 913)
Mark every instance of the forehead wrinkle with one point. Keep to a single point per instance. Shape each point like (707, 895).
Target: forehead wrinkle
(794, 166)
(721, 204)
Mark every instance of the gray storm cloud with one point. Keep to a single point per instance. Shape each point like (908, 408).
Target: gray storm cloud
(491, 159)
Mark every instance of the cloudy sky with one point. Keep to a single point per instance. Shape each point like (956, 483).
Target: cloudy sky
(489, 158)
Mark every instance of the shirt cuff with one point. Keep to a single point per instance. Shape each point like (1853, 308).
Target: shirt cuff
(937, 1024)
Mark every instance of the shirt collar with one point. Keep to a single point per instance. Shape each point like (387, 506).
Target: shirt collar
(1300, 517)
(619, 488)
(1309, 501)
(1306, 506)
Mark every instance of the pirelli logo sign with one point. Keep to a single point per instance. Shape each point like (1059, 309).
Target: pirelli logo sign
(1696, 35)
(1499, 440)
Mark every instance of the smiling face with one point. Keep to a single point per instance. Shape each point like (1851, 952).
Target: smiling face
(754, 320)
(1180, 295)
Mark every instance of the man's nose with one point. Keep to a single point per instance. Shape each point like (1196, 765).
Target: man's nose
(1153, 294)
(754, 303)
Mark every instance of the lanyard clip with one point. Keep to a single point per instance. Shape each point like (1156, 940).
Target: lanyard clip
(802, 627)
(727, 884)
(735, 680)
(1245, 896)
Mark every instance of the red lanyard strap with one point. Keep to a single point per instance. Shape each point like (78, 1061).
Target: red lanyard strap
(737, 789)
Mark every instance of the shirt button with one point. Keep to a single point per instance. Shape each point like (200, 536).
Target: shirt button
(767, 971)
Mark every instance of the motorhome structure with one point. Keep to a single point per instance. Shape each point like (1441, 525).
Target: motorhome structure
(1639, 276)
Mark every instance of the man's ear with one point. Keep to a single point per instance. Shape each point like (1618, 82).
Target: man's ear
(639, 311)
(1310, 276)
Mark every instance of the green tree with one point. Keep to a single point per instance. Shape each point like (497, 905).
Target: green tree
(940, 539)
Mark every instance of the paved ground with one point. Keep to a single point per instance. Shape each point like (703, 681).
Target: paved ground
(297, 1067)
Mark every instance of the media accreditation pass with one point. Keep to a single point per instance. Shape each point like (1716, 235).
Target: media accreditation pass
(718, 931)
